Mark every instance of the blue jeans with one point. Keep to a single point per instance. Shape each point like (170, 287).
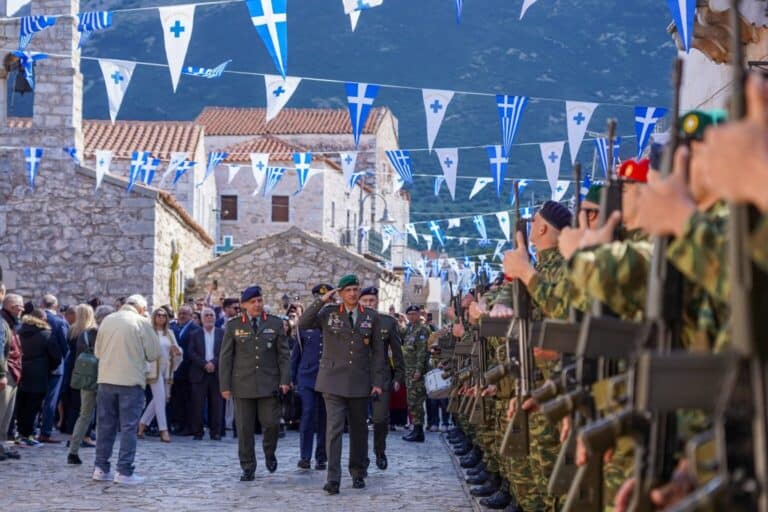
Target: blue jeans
(50, 403)
(117, 407)
(312, 422)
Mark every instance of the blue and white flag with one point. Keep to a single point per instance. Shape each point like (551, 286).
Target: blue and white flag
(259, 166)
(407, 270)
(683, 13)
(360, 98)
(30, 25)
(401, 161)
(177, 157)
(511, 110)
(454, 223)
(232, 171)
(360, 5)
(526, 5)
(434, 227)
(410, 228)
(117, 75)
(214, 159)
(138, 160)
(348, 161)
(438, 183)
(279, 91)
(27, 62)
(270, 19)
(645, 121)
(356, 177)
(103, 162)
(560, 189)
(182, 169)
(428, 240)
(90, 22)
(178, 22)
(32, 156)
(421, 267)
(586, 184)
(479, 221)
(73, 153)
(302, 162)
(521, 186)
(449, 162)
(274, 175)
(206, 72)
(499, 161)
(459, 9)
(148, 170)
(435, 104)
(601, 144)
(577, 116)
(435, 268)
(480, 184)
(551, 154)
(499, 246)
(386, 238)
(504, 225)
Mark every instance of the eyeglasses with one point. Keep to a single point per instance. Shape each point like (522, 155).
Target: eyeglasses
(161, 315)
(208, 314)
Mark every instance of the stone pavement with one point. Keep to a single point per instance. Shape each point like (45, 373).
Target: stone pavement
(203, 475)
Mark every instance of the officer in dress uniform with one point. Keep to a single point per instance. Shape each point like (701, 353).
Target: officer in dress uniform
(390, 336)
(353, 368)
(254, 368)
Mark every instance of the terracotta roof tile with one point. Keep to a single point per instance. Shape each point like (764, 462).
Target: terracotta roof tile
(279, 151)
(290, 121)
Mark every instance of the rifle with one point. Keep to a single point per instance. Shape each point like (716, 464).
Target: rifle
(516, 437)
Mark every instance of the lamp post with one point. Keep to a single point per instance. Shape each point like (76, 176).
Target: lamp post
(384, 220)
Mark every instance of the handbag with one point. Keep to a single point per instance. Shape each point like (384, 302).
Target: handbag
(86, 371)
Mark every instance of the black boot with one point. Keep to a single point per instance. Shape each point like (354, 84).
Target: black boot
(471, 460)
(416, 435)
(475, 470)
(478, 479)
(488, 488)
(500, 500)
(463, 449)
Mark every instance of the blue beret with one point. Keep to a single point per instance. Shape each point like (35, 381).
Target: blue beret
(250, 292)
(556, 214)
(371, 290)
(413, 307)
(322, 289)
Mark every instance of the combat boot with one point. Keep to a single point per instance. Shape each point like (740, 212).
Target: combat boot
(418, 432)
(477, 479)
(500, 500)
(463, 449)
(488, 488)
(413, 434)
(471, 460)
(475, 470)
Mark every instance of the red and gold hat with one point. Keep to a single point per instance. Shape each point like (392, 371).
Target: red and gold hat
(632, 170)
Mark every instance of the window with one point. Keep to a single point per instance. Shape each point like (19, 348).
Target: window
(228, 207)
(280, 208)
(333, 214)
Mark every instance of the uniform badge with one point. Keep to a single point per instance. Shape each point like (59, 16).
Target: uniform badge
(268, 331)
(366, 324)
(269, 344)
(335, 322)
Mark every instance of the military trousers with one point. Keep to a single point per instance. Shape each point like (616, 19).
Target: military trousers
(380, 423)
(417, 394)
(355, 411)
(246, 411)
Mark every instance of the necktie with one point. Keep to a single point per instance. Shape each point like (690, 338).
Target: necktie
(255, 323)
(352, 318)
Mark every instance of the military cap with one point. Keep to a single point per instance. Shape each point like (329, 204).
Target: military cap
(694, 123)
(249, 293)
(321, 289)
(593, 194)
(412, 308)
(371, 290)
(635, 171)
(348, 280)
(556, 214)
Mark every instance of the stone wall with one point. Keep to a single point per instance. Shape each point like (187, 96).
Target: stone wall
(292, 263)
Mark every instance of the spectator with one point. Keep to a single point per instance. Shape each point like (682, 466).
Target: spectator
(59, 335)
(41, 355)
(69, 406)
(229, 309)
(10, 367)
(180, 392)
(125, 343)
(204, 348)
(86, 341)
(160, 375)
(95, 303)
(70, 315)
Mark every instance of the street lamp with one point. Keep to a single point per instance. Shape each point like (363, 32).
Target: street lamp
(385, 219)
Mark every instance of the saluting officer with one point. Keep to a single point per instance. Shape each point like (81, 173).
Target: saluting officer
(353, 367)
(254, 367)
(390, 336)
(416, 357)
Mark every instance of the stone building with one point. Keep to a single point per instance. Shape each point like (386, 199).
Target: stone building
(291, 263)
(63, 237)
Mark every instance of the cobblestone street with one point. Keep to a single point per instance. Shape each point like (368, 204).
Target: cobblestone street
(203, 475)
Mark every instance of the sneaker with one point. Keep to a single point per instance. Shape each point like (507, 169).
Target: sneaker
(30, 441)
(101, 476)
(134, 479)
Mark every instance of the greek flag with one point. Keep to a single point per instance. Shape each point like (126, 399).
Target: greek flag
(438, 183)
(401, 161)
(684, 12)
(459, 8)
(182, 169)
(645, 121)
(207, 72)
(89, 22)
(274, 174)
(407, 270)
(521, 185)
(271, 22)
(360, 98)
(586, 184)
(73, 153)
(302, 162)
(32, 24)
(32, 156)
(138, 161)
(480, 225)
(511, 110)
(601, 144)
(354, 179)
(499, 161)
(27, 61)
(214, 159)
(149, 169)
(435, 228)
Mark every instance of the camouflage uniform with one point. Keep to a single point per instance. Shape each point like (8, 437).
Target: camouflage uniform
(415, 355)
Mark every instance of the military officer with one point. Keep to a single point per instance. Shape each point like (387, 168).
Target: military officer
(353, 367)
(416, 356)
(254, 367)
(390, 336)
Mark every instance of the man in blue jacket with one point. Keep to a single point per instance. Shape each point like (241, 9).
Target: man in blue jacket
(59, 335)
(305, 363)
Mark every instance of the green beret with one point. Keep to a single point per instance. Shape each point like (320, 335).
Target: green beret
(694, 123)
(593, 195)
(348, 280)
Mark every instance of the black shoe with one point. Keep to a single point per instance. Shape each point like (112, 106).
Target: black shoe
(331, 488)
(381, 461)
(500, 500)
(488, 488)
(272, 464)
(198, 438)
(321, 466)
(478, 479)
(358, 483)
(470, 461)
(475, 470)
(249, 475)
(416, 435)
(73, 459)
(304, 464)
(463, 449)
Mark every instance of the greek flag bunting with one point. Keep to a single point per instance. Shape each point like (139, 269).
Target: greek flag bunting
(438, 183)
(401, 161)
(434, 227)
(206, 72)
(360, 97)
(177, 157)
(526, 5)
(182, 169)
(449, 161)
(435, 104)
(259, 166)
(551, 154)
(73, 153)
(645, 121)
(521, 186)
(601, 144)
(148, 170)
(480, 184)
(27, 61)
(577, 116)
(410, 228)
(103, 162)
(117, 75)
(586, 184)
(178, 22)
(683, 13)
(279, 90)
(560, 189)
(32, 157)
(274, 175)
(302, 162)
(480, 225)
(90, 22)
(138, 160)
(270, 19)
(360, 5)
(499, 160)
(348, 161)
(503, 218)
(497, 252)
(511, 110)
(214, 159)
(459, 9)
(30, 25)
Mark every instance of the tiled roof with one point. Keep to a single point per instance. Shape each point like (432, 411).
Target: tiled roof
(290, 121)
(279, 151)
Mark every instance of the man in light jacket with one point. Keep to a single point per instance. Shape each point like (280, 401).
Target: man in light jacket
(125, 343)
